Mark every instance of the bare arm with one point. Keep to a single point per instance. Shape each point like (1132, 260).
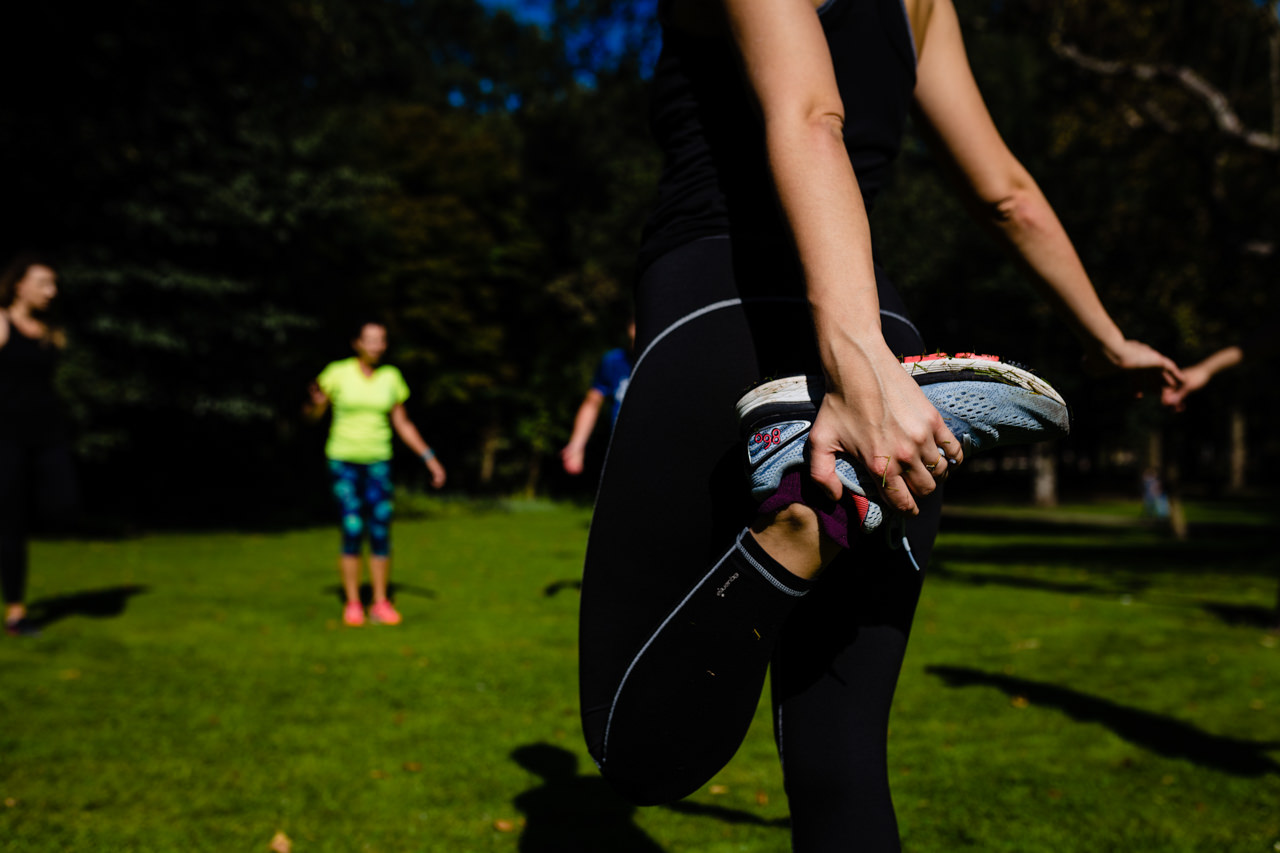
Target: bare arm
(583, 423)
(410, 436)
(4, 327)
(872, 410)
(1008, 200)
(1198, 375)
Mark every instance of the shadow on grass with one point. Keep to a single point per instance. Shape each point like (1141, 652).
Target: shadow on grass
(1105, 552)
(570, 813)
(727, 815)
(393, 590)
(1116, 584)
(97, 603)
(1159, 734)
(1245, 615)
(557, 587)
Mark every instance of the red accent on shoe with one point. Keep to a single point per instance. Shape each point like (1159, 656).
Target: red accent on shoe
(977, 356)
(353, 614)
(383, 613)
(914, 359)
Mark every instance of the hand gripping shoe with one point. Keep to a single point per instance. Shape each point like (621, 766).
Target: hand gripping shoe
(986, 403)
(775, 418)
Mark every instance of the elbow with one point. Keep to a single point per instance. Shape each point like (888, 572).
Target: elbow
(1019, 211)
(827, 120)
(824, 124)
(808, 122)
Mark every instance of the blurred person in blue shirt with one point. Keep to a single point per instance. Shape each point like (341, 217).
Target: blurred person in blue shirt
(609, 383)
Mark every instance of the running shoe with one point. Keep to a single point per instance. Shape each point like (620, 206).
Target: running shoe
(383, 613)
(985, 402)
(989, 403)
(353, 614)
(776, 417)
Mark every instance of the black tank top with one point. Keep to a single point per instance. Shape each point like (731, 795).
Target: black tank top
(715, 178)
(30, 411)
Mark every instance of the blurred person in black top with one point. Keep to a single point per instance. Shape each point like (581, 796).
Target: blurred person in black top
(36, 477)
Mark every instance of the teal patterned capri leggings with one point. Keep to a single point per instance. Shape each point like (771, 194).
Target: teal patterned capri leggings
(363, 493)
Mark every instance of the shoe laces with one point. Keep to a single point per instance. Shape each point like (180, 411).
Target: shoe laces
(896, 533)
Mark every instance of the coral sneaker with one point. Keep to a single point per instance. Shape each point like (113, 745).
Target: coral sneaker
(383, 613)
(353, 615)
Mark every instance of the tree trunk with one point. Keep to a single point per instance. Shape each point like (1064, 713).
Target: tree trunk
(490, 438)
(1173, 488)
(1163, 494)
(535, 474)
(1045, 474)
(1239, 448)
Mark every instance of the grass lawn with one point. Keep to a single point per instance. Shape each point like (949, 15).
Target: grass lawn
(1070, 687)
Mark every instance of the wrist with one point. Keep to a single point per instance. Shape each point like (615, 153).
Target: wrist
(1106, 341)
(428, 455)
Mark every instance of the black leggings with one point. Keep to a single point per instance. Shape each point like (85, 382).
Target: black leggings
(682, 613)
(37, 483)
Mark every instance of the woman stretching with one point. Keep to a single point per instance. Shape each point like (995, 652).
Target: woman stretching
(37, 480)
(779, 121)
(368, 402)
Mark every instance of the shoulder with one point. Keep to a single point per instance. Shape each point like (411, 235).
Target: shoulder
(390, 371)
(335, 370)
(619, 359)
(339, 365)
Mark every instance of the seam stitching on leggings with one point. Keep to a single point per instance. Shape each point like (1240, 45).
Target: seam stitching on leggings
(604, 750)
(902, 319)
(765, 573)
(687, 318)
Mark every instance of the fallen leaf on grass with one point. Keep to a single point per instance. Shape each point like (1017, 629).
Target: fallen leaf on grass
(412, 766)
(10, 802)
(1019, 702)
(504, 825)
(378, 774)
(280, 843)
(762, 799)
(719, 789)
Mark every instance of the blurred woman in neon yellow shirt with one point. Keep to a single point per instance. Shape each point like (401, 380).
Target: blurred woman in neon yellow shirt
(368, 403)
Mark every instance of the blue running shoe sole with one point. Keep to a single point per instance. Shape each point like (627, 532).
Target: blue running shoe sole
(988, 403)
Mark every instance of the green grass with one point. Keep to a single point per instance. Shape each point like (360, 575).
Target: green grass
(1068, 688)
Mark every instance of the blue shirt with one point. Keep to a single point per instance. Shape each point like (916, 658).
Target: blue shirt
(612, 376)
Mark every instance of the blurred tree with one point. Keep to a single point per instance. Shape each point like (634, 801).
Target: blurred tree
(230, 183)
(1152, 144)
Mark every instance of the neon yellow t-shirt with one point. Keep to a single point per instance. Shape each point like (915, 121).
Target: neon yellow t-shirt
(362, 405)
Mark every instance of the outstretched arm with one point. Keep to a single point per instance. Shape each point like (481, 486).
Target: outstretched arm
(872, 410)
(1198, 375)
(409, 435)
(583, 423)
(1007, 199)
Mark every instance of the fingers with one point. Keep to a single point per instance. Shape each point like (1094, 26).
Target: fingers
(911, 465)
(822, 468)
